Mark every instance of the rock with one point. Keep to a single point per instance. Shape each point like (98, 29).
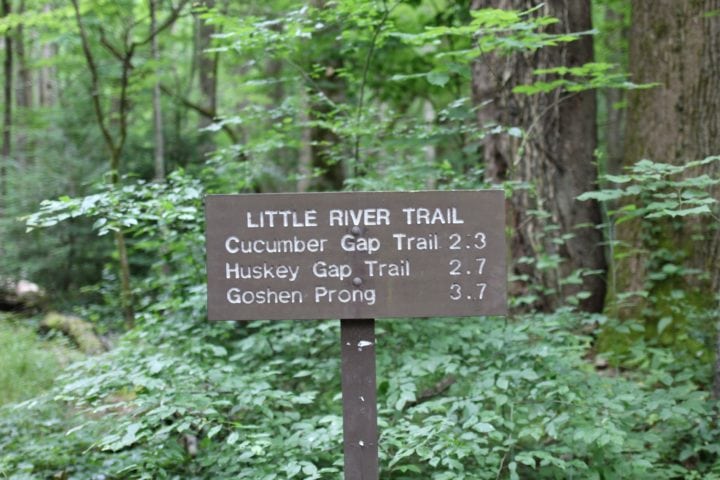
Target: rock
(16, 295)
(80, 331)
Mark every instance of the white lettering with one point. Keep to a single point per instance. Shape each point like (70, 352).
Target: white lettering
(228, 247)
(330, 270)
(260, 272)
(377, 269)
(276, 245)
(261, 297)
(282, 218)
(330, 295)
(367, 216)
(425, 216)
(350, 243)
(407, 242)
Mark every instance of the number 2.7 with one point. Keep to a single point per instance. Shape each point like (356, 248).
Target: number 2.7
(456, 266)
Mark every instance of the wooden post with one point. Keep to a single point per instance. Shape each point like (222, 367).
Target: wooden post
(359, 399)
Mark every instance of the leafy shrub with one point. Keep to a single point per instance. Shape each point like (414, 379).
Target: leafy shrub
(262, 400)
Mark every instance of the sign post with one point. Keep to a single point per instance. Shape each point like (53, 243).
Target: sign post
(356, 256)
(360, 434)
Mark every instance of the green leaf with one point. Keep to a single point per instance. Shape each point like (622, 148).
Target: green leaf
(703, 209)
(438, 78)
(515, 132)
(663, 324)
(602, 195)
(483, 427)
(232, 438)
(502, 383)
(214, 431)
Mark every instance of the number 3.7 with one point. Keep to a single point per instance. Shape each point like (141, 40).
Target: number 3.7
(456, 291)
(456, 266)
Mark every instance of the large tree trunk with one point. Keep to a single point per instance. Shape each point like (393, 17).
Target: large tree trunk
(676, 44)
(553, 235)
(615, 44)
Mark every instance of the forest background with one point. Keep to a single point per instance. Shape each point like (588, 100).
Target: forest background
(599, 119)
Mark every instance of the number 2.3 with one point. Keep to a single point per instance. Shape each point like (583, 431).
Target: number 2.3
(479, 241)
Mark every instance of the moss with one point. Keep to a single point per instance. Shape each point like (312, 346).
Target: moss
(674, 309)
(80, 331)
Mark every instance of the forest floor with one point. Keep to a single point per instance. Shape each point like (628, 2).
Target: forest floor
(30, 361)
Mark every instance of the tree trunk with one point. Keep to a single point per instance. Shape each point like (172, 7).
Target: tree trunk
(430, 117)
(115, 148)
(208, 64)
(157, 107)
(7, 112)
(23, 91)
(614, 127)
(553, 235)
(47, 81)
(305, 155)
(676, 44)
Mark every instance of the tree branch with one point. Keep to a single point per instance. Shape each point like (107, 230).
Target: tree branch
(127, 67)
(109, 46)
(174, 14)
(205, 112)
(433, 391)
(363, 83)
(94, 79)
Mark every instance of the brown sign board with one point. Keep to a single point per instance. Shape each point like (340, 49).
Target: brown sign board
(356, 255)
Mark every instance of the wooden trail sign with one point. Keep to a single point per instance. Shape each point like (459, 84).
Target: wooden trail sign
(356, 256)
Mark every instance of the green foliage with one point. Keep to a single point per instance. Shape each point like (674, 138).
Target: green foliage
(379, 94)
(591, 76)
(182, 398)
(70, 256)
(661, 190)
(262, 401)
(652, 191)
(659, 196)
(28, 365)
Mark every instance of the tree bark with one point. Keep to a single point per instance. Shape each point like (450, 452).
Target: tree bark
(614, 128)
(157, 106)
(47, 75)
(7, 112)
(553, 235)
(23, 91)
(208, 64)
(305, 154)
(677, 45)
(430, 117)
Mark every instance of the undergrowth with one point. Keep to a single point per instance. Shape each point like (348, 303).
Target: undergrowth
(28, 365)
(517, 399)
